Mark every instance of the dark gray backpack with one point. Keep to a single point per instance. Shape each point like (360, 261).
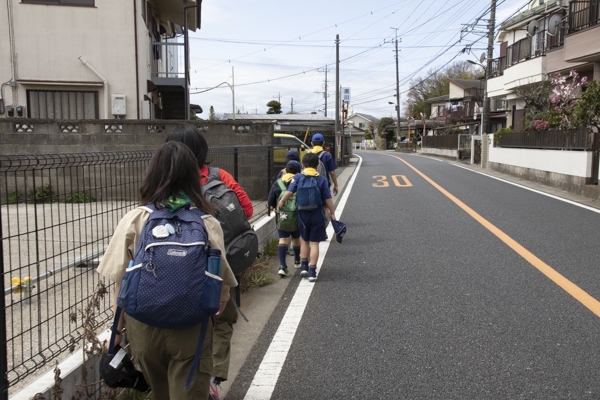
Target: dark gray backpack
(241, 242)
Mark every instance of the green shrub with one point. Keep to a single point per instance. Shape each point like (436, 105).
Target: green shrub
(80, 197)
(43, 194)
(498, 135)
(14, 197)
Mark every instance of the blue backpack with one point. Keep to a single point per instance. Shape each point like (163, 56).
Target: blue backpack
(308, 195)
(167, 284)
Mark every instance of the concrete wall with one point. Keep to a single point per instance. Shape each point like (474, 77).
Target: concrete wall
(39, 136)
(452, 153)
(566, 170)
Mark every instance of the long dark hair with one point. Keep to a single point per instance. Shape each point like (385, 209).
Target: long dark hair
(173, 169)
(192, 138)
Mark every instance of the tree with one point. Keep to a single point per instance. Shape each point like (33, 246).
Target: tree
(368, 135)
(211, 114)
(274, 107)
(436, 84)
(565, 96)
(587, 108)
(383, 123)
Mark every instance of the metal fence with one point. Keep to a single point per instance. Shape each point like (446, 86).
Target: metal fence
(57, 215)
(447, 141)
(580, 139)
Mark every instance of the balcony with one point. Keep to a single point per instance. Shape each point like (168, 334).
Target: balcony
(581, 42)
(583, 14)
(168, 76)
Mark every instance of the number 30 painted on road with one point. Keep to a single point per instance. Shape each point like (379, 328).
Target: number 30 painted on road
(381, 181)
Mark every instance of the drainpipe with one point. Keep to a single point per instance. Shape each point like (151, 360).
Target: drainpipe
(104, 83)
(137, 76)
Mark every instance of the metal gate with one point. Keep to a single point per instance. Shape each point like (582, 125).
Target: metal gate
(477, 151)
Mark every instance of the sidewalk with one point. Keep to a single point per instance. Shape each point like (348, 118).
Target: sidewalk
(259, 303)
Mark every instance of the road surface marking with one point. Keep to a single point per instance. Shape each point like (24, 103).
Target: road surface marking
(579, 294)
(266, 376)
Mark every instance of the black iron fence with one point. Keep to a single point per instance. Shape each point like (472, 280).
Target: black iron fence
(447, 141)
(57, 214)
(580, 139)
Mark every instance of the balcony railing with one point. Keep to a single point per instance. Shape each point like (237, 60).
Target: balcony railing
(497, 66)
(583, 14)
(523, 50)
(168, 60)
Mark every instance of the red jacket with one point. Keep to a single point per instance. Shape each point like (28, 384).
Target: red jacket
(227, 179)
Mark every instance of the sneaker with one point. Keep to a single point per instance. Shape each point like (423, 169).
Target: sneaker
(312, 274)
(304, 272)
(214, 390)
(297, 263)
(283, 271)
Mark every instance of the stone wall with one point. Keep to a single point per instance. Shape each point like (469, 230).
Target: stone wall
(40, 136)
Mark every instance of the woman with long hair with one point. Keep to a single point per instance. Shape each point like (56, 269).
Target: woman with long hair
(166, 355)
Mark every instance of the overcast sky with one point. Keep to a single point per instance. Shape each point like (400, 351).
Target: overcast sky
(279, 50)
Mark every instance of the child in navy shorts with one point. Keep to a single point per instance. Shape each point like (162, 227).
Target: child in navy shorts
(292, 168)
(311, 222)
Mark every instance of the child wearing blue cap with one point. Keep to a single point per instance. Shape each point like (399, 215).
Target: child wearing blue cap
(292, 155)
(312, 197)
(287, 226)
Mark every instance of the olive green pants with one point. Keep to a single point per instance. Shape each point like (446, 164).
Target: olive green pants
(166, 357)
(223, 330)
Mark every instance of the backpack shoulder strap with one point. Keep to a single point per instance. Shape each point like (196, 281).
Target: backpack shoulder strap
(321, 154)
(281, 185)
(213, 174)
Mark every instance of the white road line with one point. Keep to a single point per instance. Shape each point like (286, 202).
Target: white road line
(266, 376)
(532, 190)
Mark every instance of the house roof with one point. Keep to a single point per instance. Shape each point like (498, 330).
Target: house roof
(515, 21)
(438, 99)
(281, 117)
(467, 83)
(365, 116)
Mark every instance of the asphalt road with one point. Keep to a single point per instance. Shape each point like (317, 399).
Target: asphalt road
(449, 285)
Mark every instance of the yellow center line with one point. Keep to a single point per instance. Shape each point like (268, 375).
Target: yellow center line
(579, 294)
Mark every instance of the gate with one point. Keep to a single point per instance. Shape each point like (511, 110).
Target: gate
(477, 151)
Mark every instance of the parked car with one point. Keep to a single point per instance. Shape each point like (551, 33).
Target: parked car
(284, 142)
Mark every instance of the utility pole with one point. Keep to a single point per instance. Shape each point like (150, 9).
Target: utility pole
(337, 97)
(398, 92)
(292, 104)
(488, 63)
(278, 97)
(325, 94)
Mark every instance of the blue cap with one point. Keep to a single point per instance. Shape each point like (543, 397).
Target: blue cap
(318, 138)
(292, 155)
(293, 167)
(340, 230)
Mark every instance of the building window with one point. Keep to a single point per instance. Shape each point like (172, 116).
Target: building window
(361, 124)
(62, 2)
(62, 104)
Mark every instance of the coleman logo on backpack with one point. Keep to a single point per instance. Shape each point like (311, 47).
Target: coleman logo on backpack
(170, 271)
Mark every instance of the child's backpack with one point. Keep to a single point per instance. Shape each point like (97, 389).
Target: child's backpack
(287, 221)
(321, 167)
(166, 284)
(308, 195)
(241, 242)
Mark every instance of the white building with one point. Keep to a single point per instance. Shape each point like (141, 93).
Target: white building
(93, 59)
